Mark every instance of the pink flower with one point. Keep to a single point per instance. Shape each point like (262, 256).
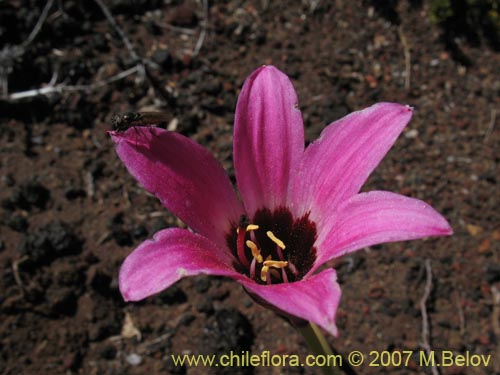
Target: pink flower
(299, 207)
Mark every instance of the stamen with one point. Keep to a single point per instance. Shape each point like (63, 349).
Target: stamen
(275, 263)
(253, 237)
(240, 248)
(252, 227)
(275, 239)
(263, 273)
(255, 251)
(252, 268)
(284, 275)
(292, 268)
(278, 264)
(273, 246)
(280, 253)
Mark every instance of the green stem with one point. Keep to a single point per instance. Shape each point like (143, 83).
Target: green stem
(318, 344)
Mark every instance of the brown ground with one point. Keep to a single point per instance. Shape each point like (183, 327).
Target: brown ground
(70, 213)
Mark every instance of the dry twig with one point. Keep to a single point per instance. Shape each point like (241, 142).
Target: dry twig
(62, 88)
(39, 23)
(425, 319)
(52, 88)
(10, 53)
(104, 237)
(203, 33)
(177, 29)
(491, 126)
(141, 66)
(89, 184)
(15, 271)
(152, 345)
(118, 30)
(406, 49)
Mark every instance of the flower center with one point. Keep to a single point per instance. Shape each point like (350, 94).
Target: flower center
(274, 247)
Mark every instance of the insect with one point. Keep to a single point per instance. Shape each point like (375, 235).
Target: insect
(122, 122)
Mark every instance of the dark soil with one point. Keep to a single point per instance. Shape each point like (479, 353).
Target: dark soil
(70, 212)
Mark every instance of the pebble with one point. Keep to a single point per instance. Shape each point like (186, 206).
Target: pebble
(474, 230)
(54, 240)
(411, 134)
(134, 359)
(484, 246)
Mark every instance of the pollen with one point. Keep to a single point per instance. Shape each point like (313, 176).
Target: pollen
(255, 251)
(275, 239)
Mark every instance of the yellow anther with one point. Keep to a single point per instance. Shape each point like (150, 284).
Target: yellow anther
(255, 251)
(263, 273)
(252, 246)
(276, 263)
(248, 228)
(264, 270)
(275, 239)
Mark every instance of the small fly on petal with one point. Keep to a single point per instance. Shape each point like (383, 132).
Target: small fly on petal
(122, 122)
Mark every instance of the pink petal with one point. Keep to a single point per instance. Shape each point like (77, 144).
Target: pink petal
(377, 217)
(315, 299)
(184, 176)
(172, 254)
(268, 138)
(335, 167)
